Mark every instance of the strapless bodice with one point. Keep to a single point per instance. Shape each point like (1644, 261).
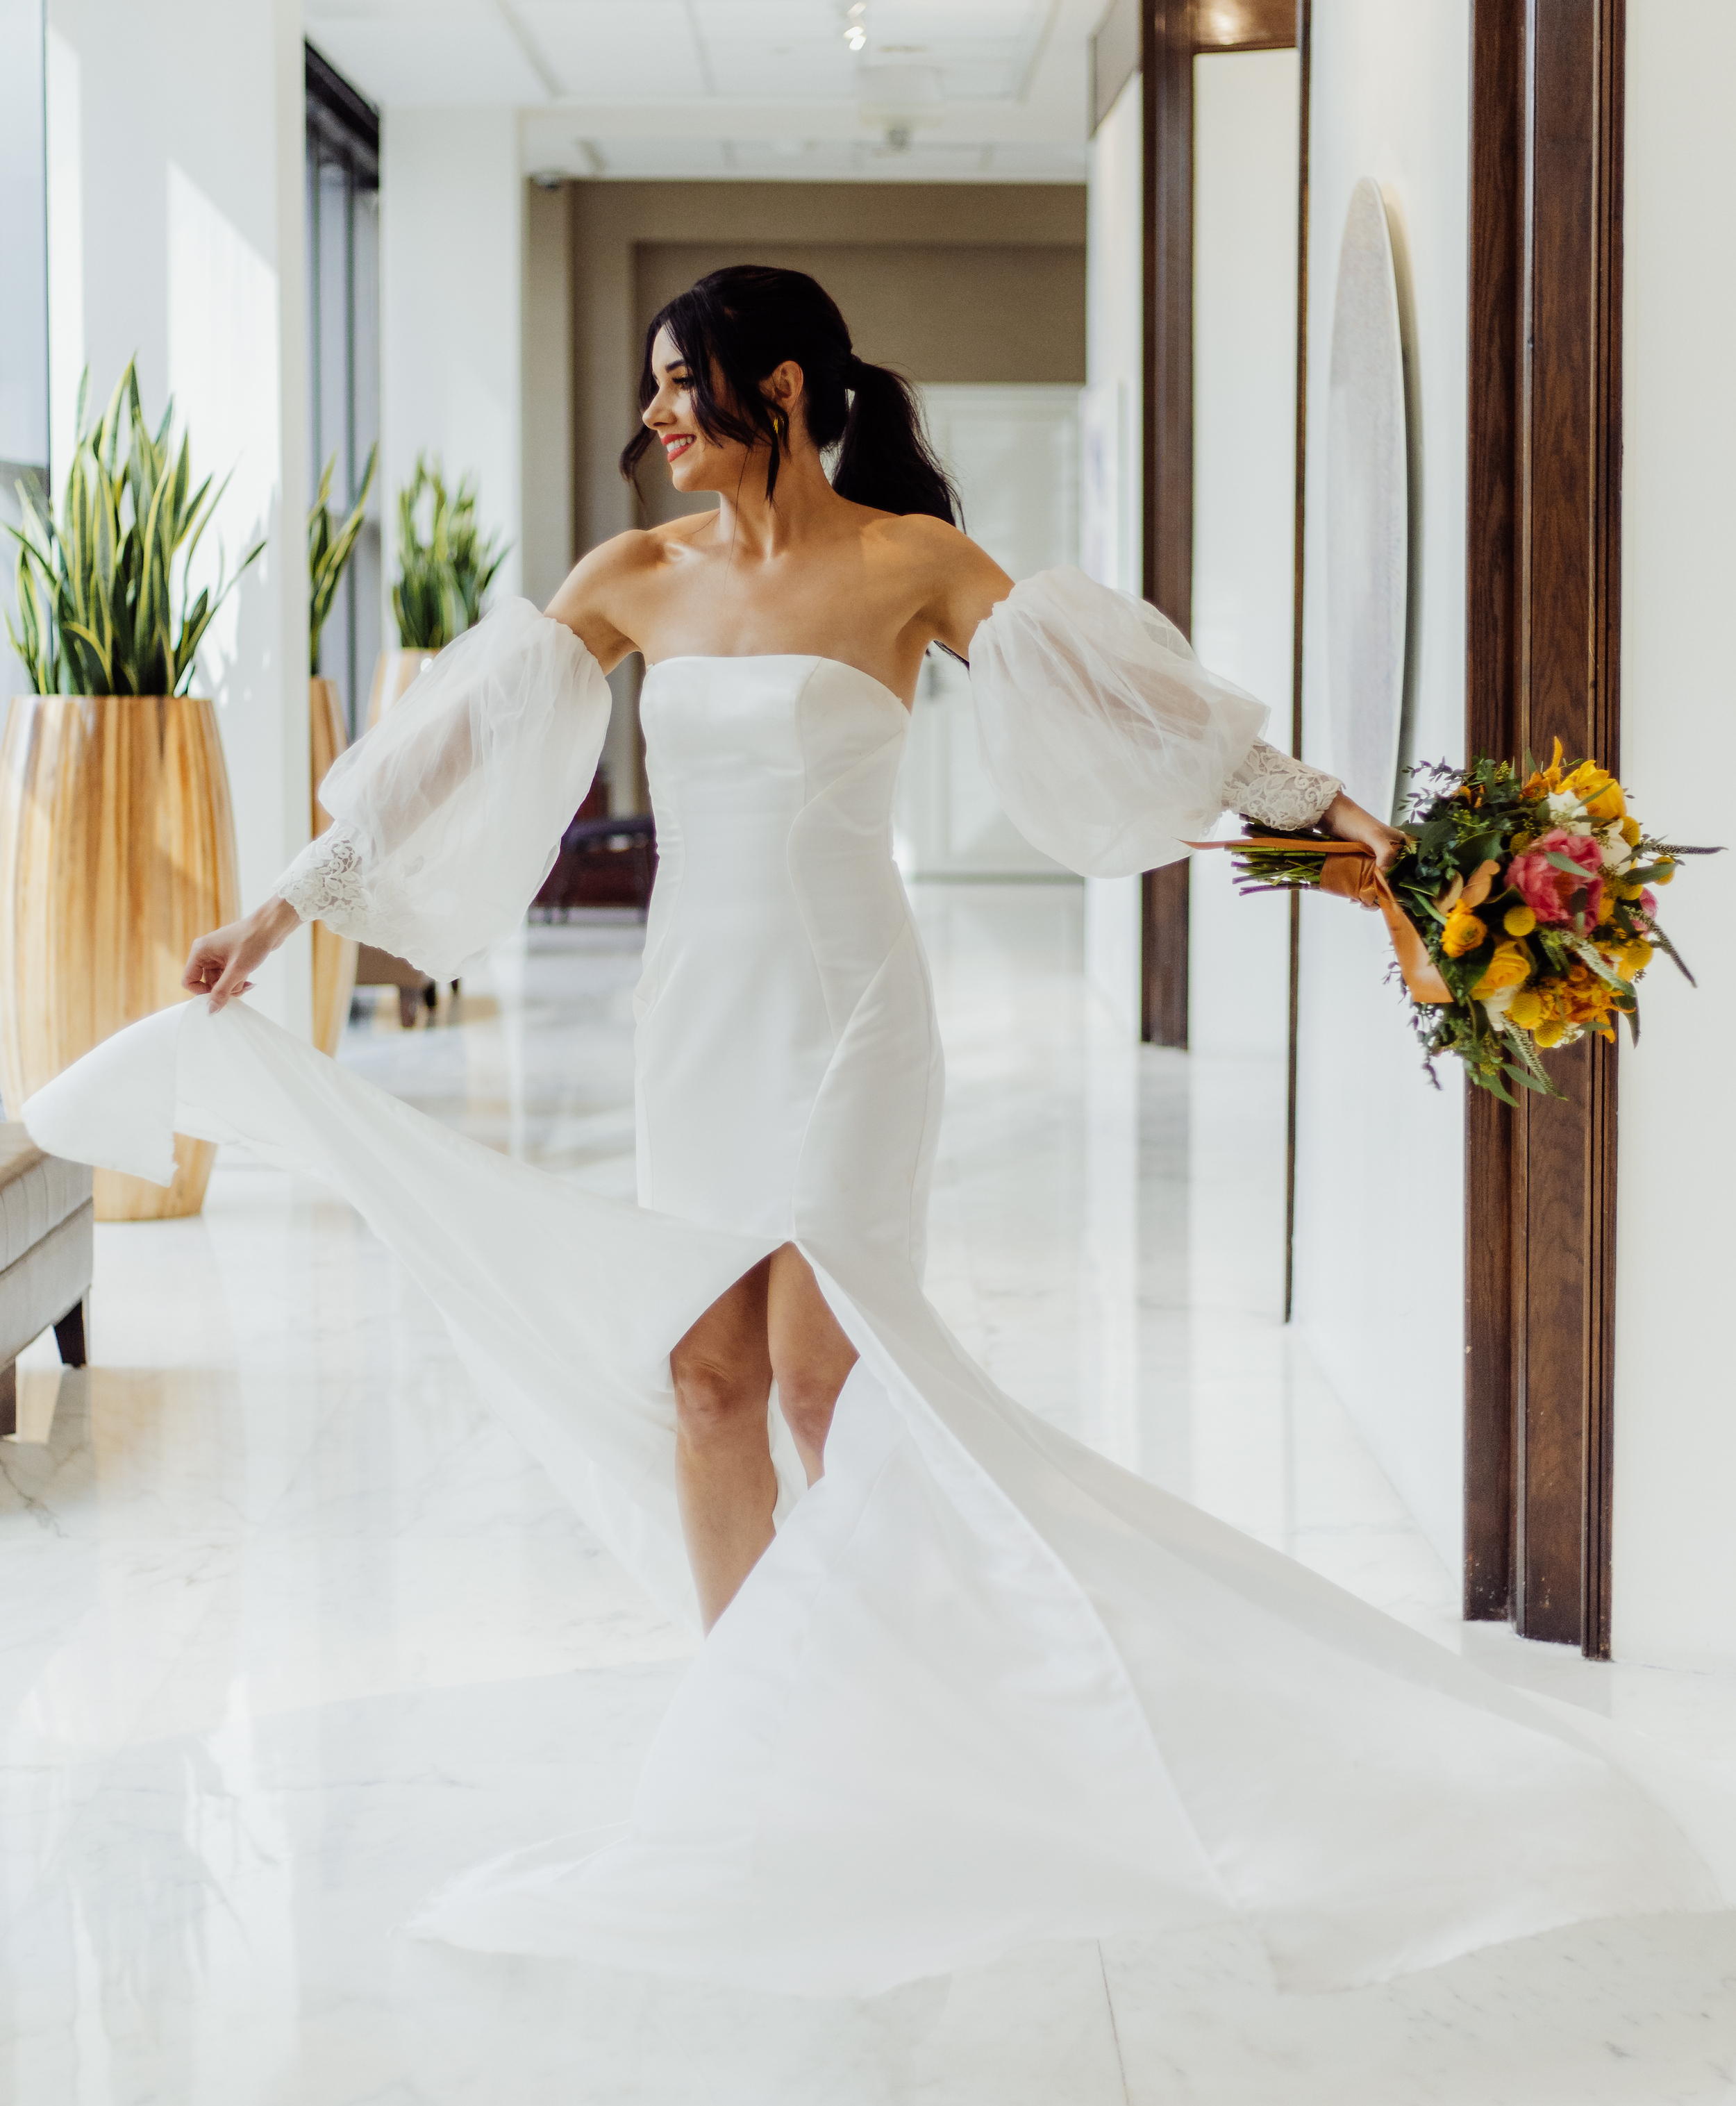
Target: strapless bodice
(737, 748)
(777, 903)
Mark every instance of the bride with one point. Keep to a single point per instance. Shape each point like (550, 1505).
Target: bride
(966, 1683)
(748, 616)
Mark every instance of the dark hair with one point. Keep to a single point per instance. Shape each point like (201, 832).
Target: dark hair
(736, 326)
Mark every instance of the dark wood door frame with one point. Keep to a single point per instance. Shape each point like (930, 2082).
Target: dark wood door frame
(1167, 438)
(1171, 34)
(1543, 662)
(1292, 1039)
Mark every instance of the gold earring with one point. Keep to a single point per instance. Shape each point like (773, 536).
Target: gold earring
(778, 426)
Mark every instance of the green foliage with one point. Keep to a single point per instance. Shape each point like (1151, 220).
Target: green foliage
(1576, 972)
(330, 549)
(446, 573)
(96, 600)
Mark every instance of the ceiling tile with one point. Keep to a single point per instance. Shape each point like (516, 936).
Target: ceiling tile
(774, 73)
(603, 51)
(665, 157)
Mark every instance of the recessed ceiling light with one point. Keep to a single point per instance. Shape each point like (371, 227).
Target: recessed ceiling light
(855, 36)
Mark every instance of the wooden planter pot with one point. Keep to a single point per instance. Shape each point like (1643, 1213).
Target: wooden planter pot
(334, 955)
(117, 850)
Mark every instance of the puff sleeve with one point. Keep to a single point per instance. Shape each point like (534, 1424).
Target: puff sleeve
(448, 814)
(1111, 744)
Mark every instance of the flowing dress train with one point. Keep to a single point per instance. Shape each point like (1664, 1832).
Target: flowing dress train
(986, 1686)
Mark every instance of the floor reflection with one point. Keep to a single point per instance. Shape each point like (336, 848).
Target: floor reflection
(293, 1631)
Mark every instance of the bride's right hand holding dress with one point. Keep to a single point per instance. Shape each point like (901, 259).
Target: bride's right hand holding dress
(223, 964)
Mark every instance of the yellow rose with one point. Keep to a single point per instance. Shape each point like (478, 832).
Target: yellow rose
(1598, 790)
(1518, 921)
(1464, 932)
(1510, 967)
(1526, 1009)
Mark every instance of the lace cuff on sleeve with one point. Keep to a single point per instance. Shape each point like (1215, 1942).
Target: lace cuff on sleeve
(325, 883)
(448, 814)
(1109, 742)
(1274, 790)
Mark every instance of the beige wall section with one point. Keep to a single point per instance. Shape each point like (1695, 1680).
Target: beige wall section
(964, 315)
(953, 282)
(546, 431)
(920, 270)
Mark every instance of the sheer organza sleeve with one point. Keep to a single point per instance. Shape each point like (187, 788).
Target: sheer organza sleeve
(1111, 744)
(448, 814)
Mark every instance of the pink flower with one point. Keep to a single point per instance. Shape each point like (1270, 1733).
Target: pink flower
(1648, 903)
(1549, 892)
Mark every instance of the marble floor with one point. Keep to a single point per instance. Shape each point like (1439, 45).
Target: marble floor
(290, 1630)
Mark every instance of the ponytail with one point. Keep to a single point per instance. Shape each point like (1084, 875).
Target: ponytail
(739, 325)
(886, 460)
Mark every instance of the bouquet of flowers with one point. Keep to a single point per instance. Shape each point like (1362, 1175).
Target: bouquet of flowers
(1522, 911)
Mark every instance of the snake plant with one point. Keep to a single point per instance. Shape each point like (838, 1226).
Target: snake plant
(330, 549)
(96, 599)
(443, 578)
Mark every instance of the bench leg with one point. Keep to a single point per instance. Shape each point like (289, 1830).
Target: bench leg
(71, 1336)
(9, 1399)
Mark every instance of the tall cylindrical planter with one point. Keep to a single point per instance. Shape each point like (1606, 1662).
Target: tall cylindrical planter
(334, 955)
(117, 850)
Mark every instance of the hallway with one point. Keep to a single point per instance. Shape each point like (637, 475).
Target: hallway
(293, 1631)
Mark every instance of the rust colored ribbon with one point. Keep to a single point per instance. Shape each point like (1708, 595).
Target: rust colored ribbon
(1349, 873)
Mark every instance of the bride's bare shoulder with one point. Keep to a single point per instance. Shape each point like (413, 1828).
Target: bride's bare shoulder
(641, 550)
(951, 575)
(936, 547)
(599, 600)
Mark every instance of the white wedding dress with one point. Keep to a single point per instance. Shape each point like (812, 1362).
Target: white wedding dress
(986, 1687)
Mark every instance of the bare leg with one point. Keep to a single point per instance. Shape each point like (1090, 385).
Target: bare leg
(775, 1320)
(725, 1481)
(810, 1356)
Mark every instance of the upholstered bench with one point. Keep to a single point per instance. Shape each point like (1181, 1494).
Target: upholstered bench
(46, 1249)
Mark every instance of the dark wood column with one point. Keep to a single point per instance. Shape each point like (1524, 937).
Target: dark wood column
(1543, 662)
(1171, 33)
(1167, 85)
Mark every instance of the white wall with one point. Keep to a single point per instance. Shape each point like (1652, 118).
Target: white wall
(1674, 1562)
(1109, 530)
(1246, 120)
(1380, 1264)
(1245, 141)
(175, 152)
(451, 280)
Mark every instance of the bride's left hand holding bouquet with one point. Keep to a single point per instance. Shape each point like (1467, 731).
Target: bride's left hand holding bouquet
(1523, 909)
